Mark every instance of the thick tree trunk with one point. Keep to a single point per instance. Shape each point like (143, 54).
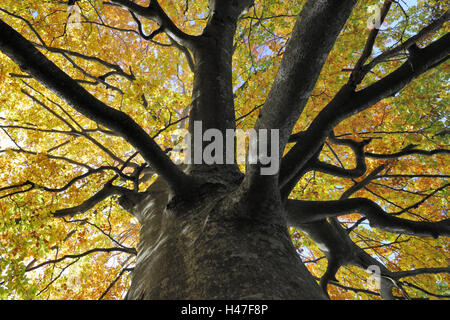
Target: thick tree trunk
(210, 248)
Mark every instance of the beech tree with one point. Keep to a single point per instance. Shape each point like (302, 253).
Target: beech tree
(92, 193)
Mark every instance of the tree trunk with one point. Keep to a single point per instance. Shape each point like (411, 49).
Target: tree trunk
(212, 248)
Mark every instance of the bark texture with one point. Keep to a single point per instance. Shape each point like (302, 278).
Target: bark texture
(213, 248)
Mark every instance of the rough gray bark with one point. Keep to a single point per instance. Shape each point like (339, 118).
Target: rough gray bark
(214, 249)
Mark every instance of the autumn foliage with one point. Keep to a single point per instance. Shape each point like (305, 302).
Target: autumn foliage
(52, 157)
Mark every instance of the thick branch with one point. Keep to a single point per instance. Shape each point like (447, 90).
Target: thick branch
(22, 52)
(150, 37)
(335, 242)
(411, 273)
(360, 168)
(409, 150)
(347, 103)
(310, 211)
(314, 34)
(432, 27)
(358, 186)
(313, 37)
(155, 13)
(315, 164)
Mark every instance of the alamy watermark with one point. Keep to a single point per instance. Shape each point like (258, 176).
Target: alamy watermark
(374, 21)
(374, 280)
(74, 20)
(212, 147)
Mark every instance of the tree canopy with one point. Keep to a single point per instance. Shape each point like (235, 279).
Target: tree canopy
(95, 119)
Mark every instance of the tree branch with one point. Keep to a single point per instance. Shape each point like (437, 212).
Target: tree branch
(347, 102)
(412, 273)
(155, 13)
(310, 211)
(336, 244)
(434, 26)
(119, 275)
(23, 53)
(314, 34)
(359, 72)
(108, 190)
(117, 69)
(408, 150)
(360, 168)
(76, 256)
